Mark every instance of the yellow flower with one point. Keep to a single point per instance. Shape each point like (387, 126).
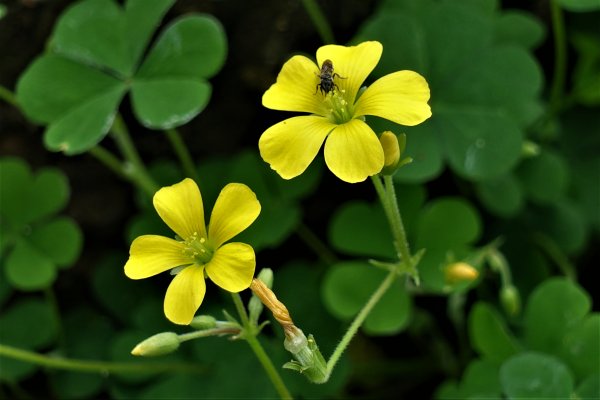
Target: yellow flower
(198, 251)
(352, 150)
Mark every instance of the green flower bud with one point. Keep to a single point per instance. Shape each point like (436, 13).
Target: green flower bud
(266, 275)
(530, 149)
(202, 322)
(157, 345)
(511, 300)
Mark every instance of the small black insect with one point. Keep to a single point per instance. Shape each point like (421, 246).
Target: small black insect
(326, 76)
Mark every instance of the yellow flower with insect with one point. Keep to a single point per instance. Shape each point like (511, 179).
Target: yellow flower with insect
(331, 95)
(197, 251)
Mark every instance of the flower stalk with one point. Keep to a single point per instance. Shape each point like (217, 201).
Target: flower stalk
(387, 197)
(182, 152)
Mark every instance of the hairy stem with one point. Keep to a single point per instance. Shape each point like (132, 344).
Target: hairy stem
(135, 168)
(94, 366)
(359, 319)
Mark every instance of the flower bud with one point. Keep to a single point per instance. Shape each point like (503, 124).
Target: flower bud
(530, 149)
(266, 275)
(460, 272)
(511, 300)
(202, 322)
(391, 152)
(157, 345)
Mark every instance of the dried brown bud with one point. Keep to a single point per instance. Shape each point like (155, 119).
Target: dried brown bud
(279, 310)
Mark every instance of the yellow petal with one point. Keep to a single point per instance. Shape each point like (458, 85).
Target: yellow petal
(353, 152)
(291, 145)
(400, 97)
(180, 206)
(296, 88)
(232, 267)
(185, 294)
(235, 209)
(151, 254)
(353, 64)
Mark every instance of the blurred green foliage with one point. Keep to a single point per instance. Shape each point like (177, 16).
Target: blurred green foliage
(556, 356)
(34, 243)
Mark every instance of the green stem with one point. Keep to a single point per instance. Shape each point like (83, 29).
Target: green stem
(208, 332)
(110, 161)
(8, 96)
(182, 153)
(93, 366)
(136, 168)
(312, 240)
(560, 56)
(387, 197)
(241, 310)
(318, 18)
(269, 367)
(396, 220)
(259, 352)
(360, 318)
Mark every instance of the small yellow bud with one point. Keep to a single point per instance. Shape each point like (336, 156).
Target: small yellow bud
(391, 152)
(460, 272)
(157, 345)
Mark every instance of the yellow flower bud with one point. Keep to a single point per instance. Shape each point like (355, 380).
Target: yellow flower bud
(391, 152)
(460, 272)
(157, 345)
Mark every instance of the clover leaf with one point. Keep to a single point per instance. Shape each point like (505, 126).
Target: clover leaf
(489, 334)
(485, 83)
(556, 352)
(534, 375)
(94, 58)
(34, 242)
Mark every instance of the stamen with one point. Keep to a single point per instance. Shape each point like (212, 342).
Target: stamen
(198, 249)
(340, 110)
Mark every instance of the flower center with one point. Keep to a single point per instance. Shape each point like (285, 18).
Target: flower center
(340, 110)
(198, 248)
